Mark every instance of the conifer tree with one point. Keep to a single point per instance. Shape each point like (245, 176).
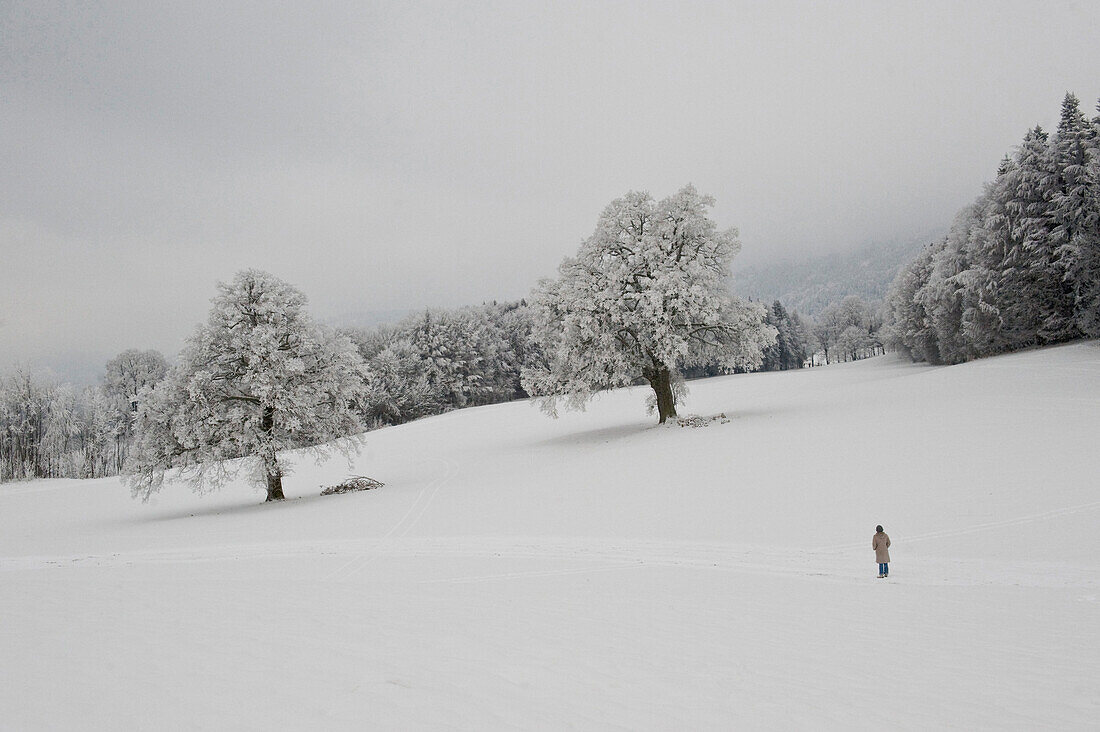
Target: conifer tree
(1079, 209)
(1073, 219)
(790, 348)
(1021, 266)
(1034, 311)
(943, 295)
(985, 297)
(911, 330)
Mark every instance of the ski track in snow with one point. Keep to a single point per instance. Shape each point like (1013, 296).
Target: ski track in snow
(401, 527)
(605, 556)
(356, 554)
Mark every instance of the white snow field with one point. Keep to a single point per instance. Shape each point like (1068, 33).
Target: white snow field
(598, 571)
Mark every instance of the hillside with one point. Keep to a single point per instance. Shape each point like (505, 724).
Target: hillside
(598, 571)
(808, 286)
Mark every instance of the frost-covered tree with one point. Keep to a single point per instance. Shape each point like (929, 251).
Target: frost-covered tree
(944, 294)
(911, 330)
(1043, 304)
(1071, 156)
(62, 428)
(984, 297)
(791, 347)
(398, 386)
(826, 330)
(1086, 266)
(50, 430)
(124, 377)
(96, 434)
(1076, 211)
(1021, 266)
(804, 333)
(839, 317)
(853, 343)
(517, 324)
(460, 353)
(440, 360)
(257, 378)
(25, 400)
(645, 296)
(79, 438)
(132, 370)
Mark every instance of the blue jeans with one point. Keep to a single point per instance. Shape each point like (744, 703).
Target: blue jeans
(883, 568)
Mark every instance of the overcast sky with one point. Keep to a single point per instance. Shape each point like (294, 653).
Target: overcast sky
(387, 156)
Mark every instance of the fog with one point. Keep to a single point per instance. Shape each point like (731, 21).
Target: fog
(391, 156)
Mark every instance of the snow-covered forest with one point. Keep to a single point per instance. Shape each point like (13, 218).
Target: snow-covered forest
(1020, 266)
(51, 430)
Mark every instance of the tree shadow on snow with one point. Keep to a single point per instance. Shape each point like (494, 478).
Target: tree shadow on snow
(252, 507)
(714, 420)
(600, 435)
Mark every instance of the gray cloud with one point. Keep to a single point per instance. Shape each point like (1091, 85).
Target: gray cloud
(388, 156)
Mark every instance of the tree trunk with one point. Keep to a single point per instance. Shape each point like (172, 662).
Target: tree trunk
(275, 486)
(274, 474)
(661, 381)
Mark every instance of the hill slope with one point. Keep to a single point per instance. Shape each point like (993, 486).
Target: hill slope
(598, 571)
(810, 286)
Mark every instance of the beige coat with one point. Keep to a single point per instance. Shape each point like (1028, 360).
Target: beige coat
(881, 545)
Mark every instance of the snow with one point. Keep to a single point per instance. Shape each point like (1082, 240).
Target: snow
(598, 571)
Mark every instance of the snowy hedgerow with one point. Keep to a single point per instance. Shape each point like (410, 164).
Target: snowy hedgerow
(258, 378)
(644, 297)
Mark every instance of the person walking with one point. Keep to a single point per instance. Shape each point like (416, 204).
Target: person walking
(881, 545)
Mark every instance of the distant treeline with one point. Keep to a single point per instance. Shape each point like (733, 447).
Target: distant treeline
(848, 330)
(51, 430)
(429, 363)
(439, 360)
(1020, 266)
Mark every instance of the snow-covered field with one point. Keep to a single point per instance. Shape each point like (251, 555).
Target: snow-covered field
(599, 571)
